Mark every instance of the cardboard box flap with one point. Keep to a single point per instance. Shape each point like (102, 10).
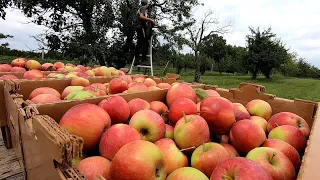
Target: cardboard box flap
(173, 76)
(59, 144)
(248, 91)
(11, 85)
(69, 172)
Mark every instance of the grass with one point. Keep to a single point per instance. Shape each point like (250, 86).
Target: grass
(280, 86)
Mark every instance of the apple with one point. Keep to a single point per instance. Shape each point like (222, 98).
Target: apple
(212, 93)
(19, 62)
(246, 135)
(191, 131)
(33, 64)
(82, 74)
(95, 91)
(70, 64)
(45, 98)
(149, 124)
(5, 68)
(259, 107)
(47, 67)
(164, 86)
(174, 158)
(79, 95)
(286, 149)
(99, 86)
(103, 71)
(260, 121)
(44, 90)
(69, 90)
(33, 74)
(179, 107)
(4, 77)
(93, 166)
(180, 90)
(138, 160)
(61, 70)
(151, 88)
(230, 149)
(116, 137)
(187, 173)
(240, 112)
(160, 108)
(117, 85)
(114, 71)
(90, 73)
(111, 106)
(138, 104)
(274, 162)
(58, 65)
(80, 81)
(18, 69)
(288, 118)
(71, 75)
(169, 131)
(219, 114)
(149, 82)
(198, 108)
(139, 79)
(82, 68)
(59, 76)
(291, 135)
(207, 156)
(126, 78)
(69, 68)
(137, 87)
(87, 121)
(239, 168)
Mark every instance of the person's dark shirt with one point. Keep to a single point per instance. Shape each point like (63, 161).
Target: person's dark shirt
(141, 22)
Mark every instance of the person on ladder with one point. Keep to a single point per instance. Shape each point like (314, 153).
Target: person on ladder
(144, 33)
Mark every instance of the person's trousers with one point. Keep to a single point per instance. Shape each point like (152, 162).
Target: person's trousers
(142, 42)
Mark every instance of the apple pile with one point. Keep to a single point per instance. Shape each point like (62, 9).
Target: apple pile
(32, 69)
(81, 88)
(176, 139)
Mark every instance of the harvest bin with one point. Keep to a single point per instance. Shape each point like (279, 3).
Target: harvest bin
(22, 88)
(48, 150)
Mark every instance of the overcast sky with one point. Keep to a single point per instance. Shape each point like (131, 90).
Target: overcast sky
(296, 22)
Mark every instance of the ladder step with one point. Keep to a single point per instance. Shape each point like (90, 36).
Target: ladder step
(143, 66)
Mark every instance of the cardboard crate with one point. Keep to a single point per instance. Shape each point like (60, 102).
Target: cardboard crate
(40, 130)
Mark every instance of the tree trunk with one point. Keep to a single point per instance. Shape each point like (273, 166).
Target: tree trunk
(198, 64)
(254, 71)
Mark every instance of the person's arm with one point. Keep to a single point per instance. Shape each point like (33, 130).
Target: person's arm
(142, 11)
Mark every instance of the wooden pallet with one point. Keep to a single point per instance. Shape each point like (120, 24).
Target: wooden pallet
(10, 168)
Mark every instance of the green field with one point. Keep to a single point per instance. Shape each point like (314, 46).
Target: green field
(284, 87)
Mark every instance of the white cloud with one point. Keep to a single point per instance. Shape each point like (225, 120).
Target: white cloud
(295, 22)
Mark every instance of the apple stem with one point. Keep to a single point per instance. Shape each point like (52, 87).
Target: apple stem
(225, 177)
(184, 116)
(193, 147)
(273, 155)
(276, 124)
(204, 147)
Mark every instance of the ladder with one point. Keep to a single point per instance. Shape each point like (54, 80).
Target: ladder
(148, 56)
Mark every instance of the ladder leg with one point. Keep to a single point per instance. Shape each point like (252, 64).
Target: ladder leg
(130, 71)
(150, 57)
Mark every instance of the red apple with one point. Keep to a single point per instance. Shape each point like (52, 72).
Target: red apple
(169, 131)
(45, 98)
(149, 82)
(94, 166)
(212, 93)
(58, 65)
(5, 68)
(164, 86)
(149, 124)
(246, 135)
(258, 107)
(138, 160)
(44, 90)
(160, 108)
(111, 106)
(137, 87)
(187, 173)
(87, 121)
(179, 107)
(239, 168)
(288, 118)
(19, 62)
(116, 137)
(286, 149)
(18, 69)
(96, 86)
(82, 74)
(96, 92)
(174, 158)
(33, 64)
(138, 104)
(33, 74)
(90, 73)
(191, 131)
(260, 121)
(80, 81)
(207, 156)
(240, 112)
(180, 90)
(4, 77)
(47, 67)
(230, 149)
(274, 162)
(291, 135)
(117, 85)
(219, 114)
(126, 78)
(70, 64)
